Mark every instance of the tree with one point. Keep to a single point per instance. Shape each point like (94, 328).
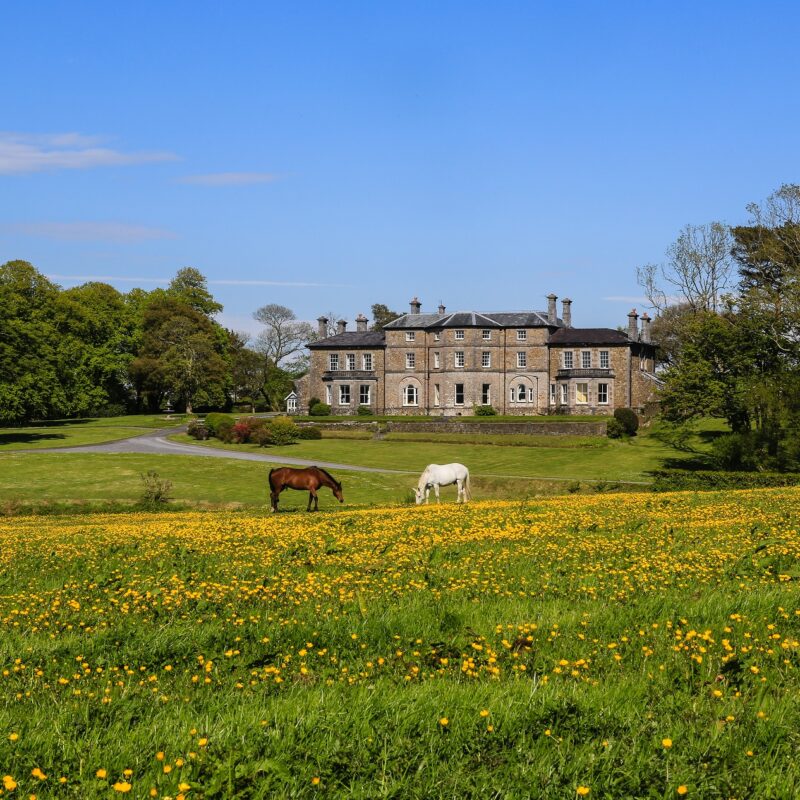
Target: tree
(247, 368)
(190, 287)
(382, 315)
(283, 336)
(697, 272)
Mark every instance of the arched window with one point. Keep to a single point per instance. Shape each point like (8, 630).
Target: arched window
(410, 395)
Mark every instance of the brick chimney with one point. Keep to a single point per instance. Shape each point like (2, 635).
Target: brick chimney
(322, 327)
(341, 326)
(566, 314)
(415, 306)
(442, 309)
(361, 323)
(552, 314)
(646, 327)
(633, 327)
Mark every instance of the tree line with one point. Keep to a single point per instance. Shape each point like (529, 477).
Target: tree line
(728, 331)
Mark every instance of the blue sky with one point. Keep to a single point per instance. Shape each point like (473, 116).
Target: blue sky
(327, 156)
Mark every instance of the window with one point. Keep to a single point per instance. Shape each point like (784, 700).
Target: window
(367, 361)
(410, 395)
(586, 359)
(522, 359)
(459, 334)
(568, 359)
(410, 336)
(344, 395)
(437, 399)
(521, 393)
(459, 394)
(522, 336)
(364, 394)
(602, 393)
(486, 334)
(486, 394)
(436, 361)
(512, 395)
(604, 359)
(486, 359)
(350, 359)
(291, 405)
(333, 361)
(582, 393)
(328, 394)
(552, 394)
(459, 358)
(564, 394)
(436, 336)
(410, 360)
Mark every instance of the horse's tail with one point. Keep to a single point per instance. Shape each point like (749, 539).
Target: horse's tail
(467, 489)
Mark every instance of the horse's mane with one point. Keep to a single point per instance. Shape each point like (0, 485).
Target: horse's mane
(326, 473)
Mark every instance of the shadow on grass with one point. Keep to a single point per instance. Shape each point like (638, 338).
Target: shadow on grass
(692, 462)
(19, 437)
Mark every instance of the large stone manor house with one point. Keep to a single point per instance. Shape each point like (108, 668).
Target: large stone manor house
(440, 363)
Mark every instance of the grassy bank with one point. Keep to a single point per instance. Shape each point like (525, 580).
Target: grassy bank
(634, 646)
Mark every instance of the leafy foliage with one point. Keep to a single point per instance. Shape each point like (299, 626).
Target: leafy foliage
(628, 419)
(319, 410)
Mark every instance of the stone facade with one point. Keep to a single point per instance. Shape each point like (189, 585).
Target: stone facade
(521, 363)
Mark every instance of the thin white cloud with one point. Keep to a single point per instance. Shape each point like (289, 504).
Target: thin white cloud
(281, 283)
(229, 178)
(22, 153)
(88, 231)
(111, 278)
(105, 279)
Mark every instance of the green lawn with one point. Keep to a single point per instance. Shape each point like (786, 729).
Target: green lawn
(76, 432)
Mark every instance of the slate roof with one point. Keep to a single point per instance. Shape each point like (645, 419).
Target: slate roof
(589, 336)
(473, 319)
(350, 339)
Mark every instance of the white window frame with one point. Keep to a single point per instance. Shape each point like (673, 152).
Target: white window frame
(552, 394)
(411, 360)
(459, 335)
(333, 362)
(437, 364)
(586, 359)
(437, 396)
(486, 359)
(410, 336)
(569, 359)
(522, 335)
(602, 394)
(522, 360)
(362, 394)
(455, 394)
(578, 401)
(328, 394)
(350, 361)
(512, 394)
(436, 336)
(486, 334)
(410, 395)
(291, 405)
(345, 388)
(486, 394)
(564, 394)
(459, 359)
(522, 393)
(367, 362)
(605, 359)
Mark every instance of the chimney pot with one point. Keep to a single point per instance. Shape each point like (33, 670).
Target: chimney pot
(415, 306)
(322, 327)
(361, 323)
(341, 326)
(566, 313)
(552, 313)
(646, 328)
(442, 309)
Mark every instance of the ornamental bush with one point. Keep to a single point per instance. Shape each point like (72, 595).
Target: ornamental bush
(197, 429)
(615, 429)
(485, 411)
(310, 433)
(319, 410)
(628, 420)
(213, 420)
(283, 431)
(364, 411)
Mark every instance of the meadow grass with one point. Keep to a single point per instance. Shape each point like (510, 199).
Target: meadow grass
(627, 646)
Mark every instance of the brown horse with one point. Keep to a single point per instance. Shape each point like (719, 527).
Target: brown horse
(308, 478)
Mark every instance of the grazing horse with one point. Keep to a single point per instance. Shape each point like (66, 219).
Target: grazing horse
(307, 478)
(437, 475)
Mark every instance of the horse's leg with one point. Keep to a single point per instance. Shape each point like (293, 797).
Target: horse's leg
(427, 494)
(436, 489)
(312, 493)
(458, 491)
(273, 495)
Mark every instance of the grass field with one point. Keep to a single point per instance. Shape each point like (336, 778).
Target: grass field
(622, 646)
(75, 432)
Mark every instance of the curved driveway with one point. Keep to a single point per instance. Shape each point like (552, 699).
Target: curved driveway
(156, 442)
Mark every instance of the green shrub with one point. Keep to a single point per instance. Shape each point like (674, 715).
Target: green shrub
(737, 452)
(615, 429)
(676, 480)
(319, 410)
(628, 419)
(310, 433)
(485, 411)
(283, 431)
(364, 411)
(262, 436)
(214, 419)
(224, 430)
(155, 489)
(197, 429)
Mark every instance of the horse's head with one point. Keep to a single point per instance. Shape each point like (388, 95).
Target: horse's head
(419, 495)
(337, 492)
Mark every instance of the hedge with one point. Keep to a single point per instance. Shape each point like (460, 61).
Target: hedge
(674, 480)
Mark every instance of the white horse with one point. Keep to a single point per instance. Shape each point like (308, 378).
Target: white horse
(437, 475)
